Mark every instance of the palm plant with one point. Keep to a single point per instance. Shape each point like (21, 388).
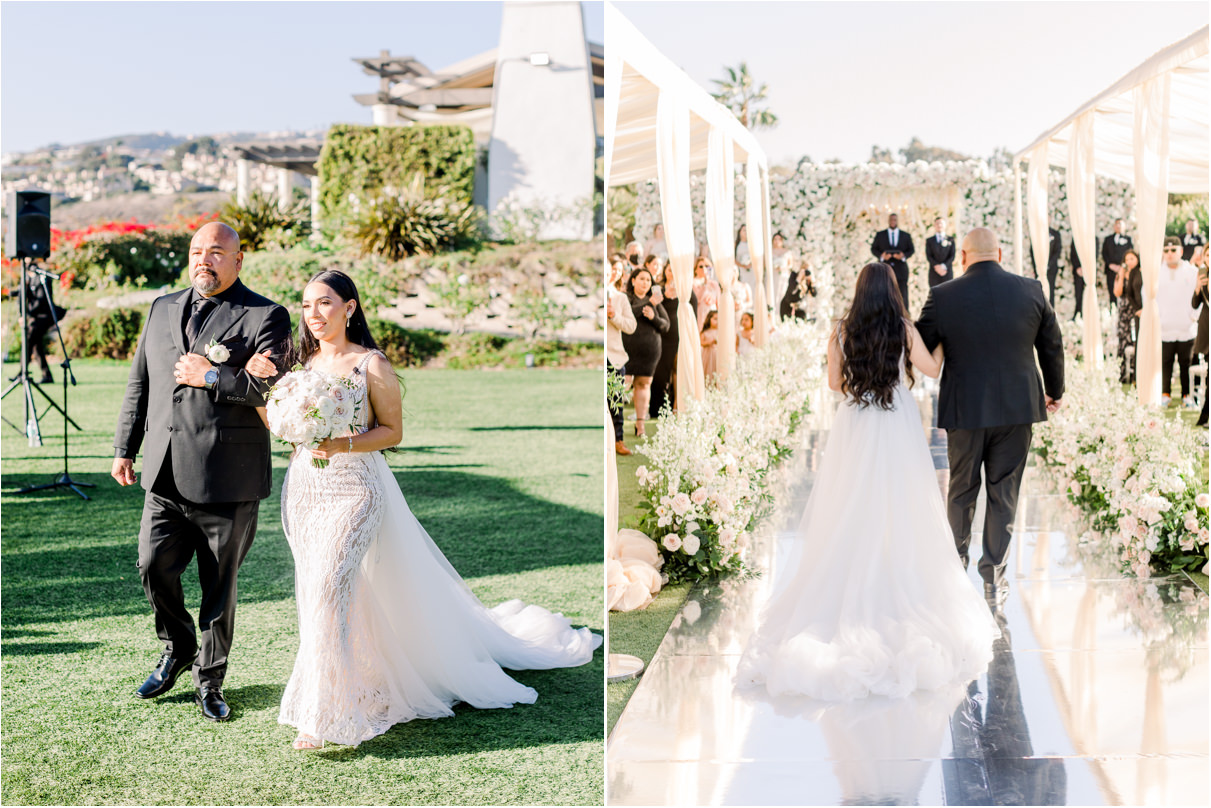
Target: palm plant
(740, 94)
(409, 221)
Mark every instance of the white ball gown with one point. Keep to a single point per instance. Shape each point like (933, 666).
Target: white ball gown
(872, 598)
(388, 630)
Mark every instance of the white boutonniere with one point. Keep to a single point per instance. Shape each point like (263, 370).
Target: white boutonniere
(217, 352)
(943, 241)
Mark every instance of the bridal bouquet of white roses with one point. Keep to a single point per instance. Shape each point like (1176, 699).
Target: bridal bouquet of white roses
(306, 408)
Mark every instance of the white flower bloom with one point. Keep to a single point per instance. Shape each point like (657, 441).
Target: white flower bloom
(671, 542)
(691, 544)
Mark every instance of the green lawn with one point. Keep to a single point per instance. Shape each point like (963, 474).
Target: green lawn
(639, 632)
(504, 470)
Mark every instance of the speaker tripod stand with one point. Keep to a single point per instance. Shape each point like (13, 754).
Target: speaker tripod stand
(31, 413)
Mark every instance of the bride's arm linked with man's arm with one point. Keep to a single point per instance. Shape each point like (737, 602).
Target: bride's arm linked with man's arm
(929, 363)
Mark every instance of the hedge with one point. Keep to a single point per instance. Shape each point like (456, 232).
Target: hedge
(360, 161)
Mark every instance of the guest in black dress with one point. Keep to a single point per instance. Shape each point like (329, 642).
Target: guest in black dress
(1128, 288)
(643, 346)
(664, 380)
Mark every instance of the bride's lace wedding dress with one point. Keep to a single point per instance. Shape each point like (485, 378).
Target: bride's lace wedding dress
(388, 631)
(872, 597)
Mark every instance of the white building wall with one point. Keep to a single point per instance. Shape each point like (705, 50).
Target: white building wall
(543, 137)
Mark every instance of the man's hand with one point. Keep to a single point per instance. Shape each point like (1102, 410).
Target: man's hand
(884, 257)
(1080, 271)
(191, 370)
(1053, 404)
(123, 471)
(939, 268)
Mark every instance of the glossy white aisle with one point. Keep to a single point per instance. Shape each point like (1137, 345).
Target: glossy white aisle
(1097, 694)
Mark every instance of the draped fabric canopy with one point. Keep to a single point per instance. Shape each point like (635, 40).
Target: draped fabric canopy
(1151, 128)
(642, 144)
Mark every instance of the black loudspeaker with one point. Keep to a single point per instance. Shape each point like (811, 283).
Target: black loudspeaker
(28, 225)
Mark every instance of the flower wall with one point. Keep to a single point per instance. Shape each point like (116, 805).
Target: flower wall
(706, 480)
(829, 214)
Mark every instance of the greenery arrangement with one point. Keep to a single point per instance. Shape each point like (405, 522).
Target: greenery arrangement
(359, 161)
(411, 220)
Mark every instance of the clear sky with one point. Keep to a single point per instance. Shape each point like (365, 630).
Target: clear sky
(969, 76)
(78, 71)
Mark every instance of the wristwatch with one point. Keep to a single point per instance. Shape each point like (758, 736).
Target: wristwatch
(211, 378)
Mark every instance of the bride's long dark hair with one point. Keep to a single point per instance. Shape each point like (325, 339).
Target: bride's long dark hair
(874, 338)
(359, 329)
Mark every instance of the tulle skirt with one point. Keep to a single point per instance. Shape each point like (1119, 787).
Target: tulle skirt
(872, 597)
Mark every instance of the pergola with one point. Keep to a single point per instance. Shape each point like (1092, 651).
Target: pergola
(1150, 128)
(299, 156)
(661, 125)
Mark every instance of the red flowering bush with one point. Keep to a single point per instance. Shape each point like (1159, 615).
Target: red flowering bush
(125, 253)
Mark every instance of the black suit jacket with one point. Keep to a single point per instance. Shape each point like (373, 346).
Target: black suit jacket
(990, 323)
(935, 253)
(1055, 248)
(882, 244)
(219, 447)
(1113, 253)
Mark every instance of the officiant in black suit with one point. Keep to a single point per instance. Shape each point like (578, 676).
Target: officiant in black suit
(1114, 248)
(191, 407)
(991, 323)
(1055, 246)
(940, 253)
(892, 246)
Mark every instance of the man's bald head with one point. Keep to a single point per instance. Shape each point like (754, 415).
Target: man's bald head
(981, 244)
(221, 231)
(214, 258)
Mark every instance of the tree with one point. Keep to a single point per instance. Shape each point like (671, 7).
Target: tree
(916, 150)
(878, 154)
(740, 94)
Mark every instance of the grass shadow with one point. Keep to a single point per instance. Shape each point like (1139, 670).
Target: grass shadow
(37, 648)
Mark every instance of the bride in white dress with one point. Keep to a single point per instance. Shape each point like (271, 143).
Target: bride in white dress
(388, 631)
(873, 598)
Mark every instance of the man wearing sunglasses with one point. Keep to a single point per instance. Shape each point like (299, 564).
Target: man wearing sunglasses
(1179, 322)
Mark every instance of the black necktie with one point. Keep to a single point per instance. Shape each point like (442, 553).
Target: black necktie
(201, 309)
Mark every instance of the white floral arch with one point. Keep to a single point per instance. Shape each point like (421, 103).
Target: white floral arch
(829, 214)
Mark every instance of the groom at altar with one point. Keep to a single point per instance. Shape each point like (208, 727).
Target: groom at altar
(191, 407)
(991, 323)
(892, 246)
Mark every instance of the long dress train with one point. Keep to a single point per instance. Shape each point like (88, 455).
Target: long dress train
(872, 598)
(388, 630)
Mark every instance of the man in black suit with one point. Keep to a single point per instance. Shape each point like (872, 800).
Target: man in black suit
(1113, 249)
(990, 324)
(1078, 279)
(1191, 239)
(940, 253)
(1055, 246)
(892, 246)
(191, 406)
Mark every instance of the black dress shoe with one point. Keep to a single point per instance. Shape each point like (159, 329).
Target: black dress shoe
(163, 677)
(47, 379)
(211, 701)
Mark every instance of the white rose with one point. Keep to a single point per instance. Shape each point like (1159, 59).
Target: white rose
(1191, 523)
(326, 406)
(691, 544)
(699, 496)
(1203, 500)
(671, 542)
(681, 503)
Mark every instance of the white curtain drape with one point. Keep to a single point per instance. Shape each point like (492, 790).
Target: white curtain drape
(1151, 200)
(754, 221)
(766, 247)
(1081, 212)
(673, 171)
(1017, 217)
(720, 205)
(1036, 208)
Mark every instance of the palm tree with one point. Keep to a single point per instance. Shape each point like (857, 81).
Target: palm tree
(741, 95)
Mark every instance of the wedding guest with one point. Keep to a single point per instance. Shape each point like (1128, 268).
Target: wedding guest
(1078, 279)
(1128, 288)
(653, 265)
(783, 258)
(1199, 301)
(1112, 255)
(746, 341)
(706, 289)
(657, 246)
(619, 272)
(940, 253)
(1055, 247)
(664, 378)
(710, 343)
(620, 319)
(1191, 240)
(742, 297)
(798, 288)
(634, 251)
(893, 246)
(744, 260)
(1178, 328)
(643, 346)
